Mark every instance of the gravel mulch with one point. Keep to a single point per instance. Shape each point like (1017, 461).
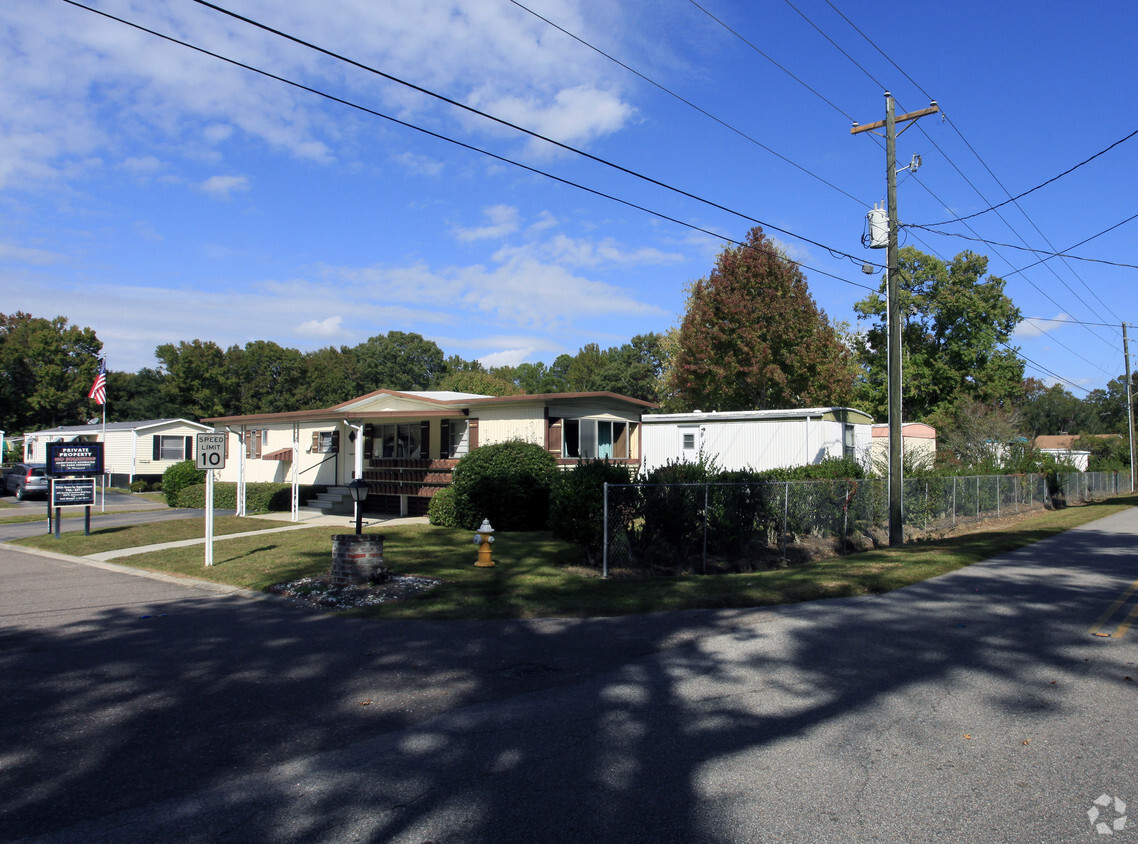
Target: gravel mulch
(319, 593)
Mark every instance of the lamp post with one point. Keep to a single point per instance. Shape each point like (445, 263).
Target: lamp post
(359, 490)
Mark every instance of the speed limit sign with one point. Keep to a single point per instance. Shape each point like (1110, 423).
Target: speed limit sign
(210, 451)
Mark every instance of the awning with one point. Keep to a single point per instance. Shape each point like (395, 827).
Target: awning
(280, 454)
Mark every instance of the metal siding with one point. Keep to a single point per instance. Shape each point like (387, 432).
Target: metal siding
(514, 423)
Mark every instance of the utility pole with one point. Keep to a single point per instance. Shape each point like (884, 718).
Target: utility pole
(893, 310)
(1129, 404)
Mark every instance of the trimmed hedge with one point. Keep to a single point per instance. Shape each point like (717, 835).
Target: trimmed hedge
(441, 510)
(259, 497)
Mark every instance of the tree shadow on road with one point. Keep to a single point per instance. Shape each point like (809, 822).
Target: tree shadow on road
(233, 719)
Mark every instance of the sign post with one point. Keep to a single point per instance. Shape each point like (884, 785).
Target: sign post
(210, 455)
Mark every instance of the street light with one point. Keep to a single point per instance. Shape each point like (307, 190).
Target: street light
(359, 490)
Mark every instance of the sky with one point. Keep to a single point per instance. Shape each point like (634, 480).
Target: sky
(158, 194)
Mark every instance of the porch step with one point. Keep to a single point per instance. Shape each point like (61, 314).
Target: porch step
(337, 501)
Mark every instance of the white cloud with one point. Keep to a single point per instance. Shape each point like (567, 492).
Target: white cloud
(419, 165)
(503, 220)
(223, 186)
(322, 328)
(506, 357)
(1038, 327)
(27, 255)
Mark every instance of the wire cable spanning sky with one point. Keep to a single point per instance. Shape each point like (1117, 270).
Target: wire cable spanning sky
(160, 195)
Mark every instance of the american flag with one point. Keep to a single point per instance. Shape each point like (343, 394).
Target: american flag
(99, 388)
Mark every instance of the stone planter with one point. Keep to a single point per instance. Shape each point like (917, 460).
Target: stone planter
(357, 558)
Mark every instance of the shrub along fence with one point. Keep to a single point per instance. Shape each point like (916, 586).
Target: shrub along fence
(762, 524)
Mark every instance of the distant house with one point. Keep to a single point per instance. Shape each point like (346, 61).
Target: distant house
(132, 450)
(1062, 446)
(756, 439)
(918, 443)
(406, 444)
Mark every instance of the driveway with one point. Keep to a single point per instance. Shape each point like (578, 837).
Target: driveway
(978, 706)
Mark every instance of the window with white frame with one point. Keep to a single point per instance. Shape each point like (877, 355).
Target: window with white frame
(459, 437)
(171, 447)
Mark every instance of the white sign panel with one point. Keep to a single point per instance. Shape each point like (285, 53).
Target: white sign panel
(211, 451)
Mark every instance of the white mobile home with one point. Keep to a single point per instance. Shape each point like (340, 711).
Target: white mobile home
(406, 444)
(130, 450)
(755, 439)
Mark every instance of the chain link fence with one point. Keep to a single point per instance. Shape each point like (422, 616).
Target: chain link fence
(706, 527)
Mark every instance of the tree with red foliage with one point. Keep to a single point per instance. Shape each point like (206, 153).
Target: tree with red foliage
(753, 338)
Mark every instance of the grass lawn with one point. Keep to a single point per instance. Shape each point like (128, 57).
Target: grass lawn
(537, 575)
(131, 536)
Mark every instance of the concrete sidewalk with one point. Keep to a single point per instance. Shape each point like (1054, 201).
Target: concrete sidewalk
(306, 521)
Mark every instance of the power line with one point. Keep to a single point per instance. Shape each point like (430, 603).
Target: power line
(689, 103)
(961, 173)
(529, 132)
(1037, 187)
(772, 61)
(1046, 255)
(441, 137)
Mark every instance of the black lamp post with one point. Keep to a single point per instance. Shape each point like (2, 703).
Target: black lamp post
(359, 490)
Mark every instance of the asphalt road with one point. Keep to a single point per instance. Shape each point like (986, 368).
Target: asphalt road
(976, 707)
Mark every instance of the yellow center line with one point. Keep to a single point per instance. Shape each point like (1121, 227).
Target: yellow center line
(1122, 628)
(1114, 608)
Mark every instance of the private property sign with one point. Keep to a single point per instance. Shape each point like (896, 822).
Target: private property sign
(71, 492)
(74, 458)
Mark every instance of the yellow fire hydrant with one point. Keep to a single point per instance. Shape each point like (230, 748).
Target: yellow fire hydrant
(483, 539)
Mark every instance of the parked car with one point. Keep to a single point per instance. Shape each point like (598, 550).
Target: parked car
(26, 480)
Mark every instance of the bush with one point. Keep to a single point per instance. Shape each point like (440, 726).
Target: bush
(508, 483)
(441, 511)
(576, 508)
(178, 477)
(259, 497)
(139, 486)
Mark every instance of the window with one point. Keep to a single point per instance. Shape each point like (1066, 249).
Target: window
(458, 438)
(688, 440)
(849, 447)
(589, 438)
(325, 442)
(402, 440)
(173, 448)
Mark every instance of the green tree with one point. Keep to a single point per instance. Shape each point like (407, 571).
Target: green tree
(137, 396)
(331, 378)
(752, 337)
(46, 370)
(398, 361)
(956, 325)
(1052, 410)
(533, 379)
(266, 377)
(196, 380)
(480, 383)
(1107, 407)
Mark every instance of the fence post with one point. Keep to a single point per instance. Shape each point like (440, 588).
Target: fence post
(703, 563)
(785, 514)
(954, 500)
(605, 546)
(997, 496)
(846, 517)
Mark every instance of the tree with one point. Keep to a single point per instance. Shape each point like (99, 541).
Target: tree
(752, 337)
(1107, 407)
(398, 361)
(983, 436)
(266, 377)
(1052, 410)
(196, 381)
(46, 370)
(479, 383)
(955, 329)
(331, 378)
(136, 396)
